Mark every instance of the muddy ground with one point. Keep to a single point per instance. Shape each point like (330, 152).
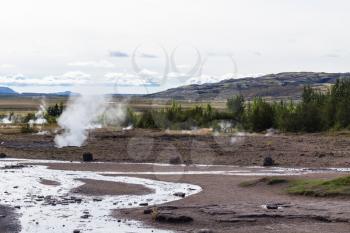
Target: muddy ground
(224, 206)
(306, 150)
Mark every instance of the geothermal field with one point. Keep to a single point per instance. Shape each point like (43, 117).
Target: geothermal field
(87, 174)
(164, 116)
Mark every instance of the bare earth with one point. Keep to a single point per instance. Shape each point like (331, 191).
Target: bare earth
(101, 188)
(222, 206)
(306, 150)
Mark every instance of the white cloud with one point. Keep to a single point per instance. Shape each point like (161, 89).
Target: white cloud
(213, 79)
(7, 66)
(143, 78)
(95, 64)
(67, 79)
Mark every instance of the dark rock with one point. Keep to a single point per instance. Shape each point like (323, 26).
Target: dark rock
(175, 160)
(85, 216)
(180, 194)
(16, 166)
(169, 217)
(272, 206)
(88, 157)
(268, 161)
(143, 204)
(147, 211)
(76, 231)
(3, 155)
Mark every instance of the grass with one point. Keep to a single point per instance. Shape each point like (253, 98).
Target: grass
(309, 187)
(321, 188)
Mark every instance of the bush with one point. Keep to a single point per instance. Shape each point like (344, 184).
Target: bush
(235, 105)
(259, 115)
(317, 111)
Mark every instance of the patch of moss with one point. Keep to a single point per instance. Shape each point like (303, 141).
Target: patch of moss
(321, 188)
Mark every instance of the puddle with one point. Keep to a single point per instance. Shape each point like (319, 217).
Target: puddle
(53, 209)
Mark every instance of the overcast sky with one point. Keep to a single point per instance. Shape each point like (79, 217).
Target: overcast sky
(142, 46)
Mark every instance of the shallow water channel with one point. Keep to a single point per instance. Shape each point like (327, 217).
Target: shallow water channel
(55, 209)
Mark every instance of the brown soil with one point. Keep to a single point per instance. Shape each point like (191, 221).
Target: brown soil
(306, 150)
(102, 188)
(223, 206)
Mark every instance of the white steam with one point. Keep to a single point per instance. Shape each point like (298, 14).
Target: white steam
(86, 113)
(7, 120)
(39, 115)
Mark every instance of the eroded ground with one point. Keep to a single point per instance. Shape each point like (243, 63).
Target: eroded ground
(306, 150)
(223, 205)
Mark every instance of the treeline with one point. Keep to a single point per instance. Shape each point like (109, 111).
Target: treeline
(51, 114)
(317, 111)
(175, 117)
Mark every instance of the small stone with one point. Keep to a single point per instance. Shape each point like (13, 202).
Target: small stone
(76, 231)
(3, 155)
(147, 211)
(268, 161)
(179, 194)
(175, 160)
(88, 157)
(272, 206)
(85, 216)
(143, 204)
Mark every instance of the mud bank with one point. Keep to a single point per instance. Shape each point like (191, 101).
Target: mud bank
(223, 206)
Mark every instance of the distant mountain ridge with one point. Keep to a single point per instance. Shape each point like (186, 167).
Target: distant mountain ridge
(9, 91)
(288, 85)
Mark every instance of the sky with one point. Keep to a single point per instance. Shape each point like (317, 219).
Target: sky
(144, 46)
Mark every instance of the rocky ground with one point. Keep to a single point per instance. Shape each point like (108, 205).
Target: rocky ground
(309, 150)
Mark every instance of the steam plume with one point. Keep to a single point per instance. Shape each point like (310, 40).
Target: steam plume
(84, 113)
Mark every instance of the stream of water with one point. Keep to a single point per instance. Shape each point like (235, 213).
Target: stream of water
(55, 209)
